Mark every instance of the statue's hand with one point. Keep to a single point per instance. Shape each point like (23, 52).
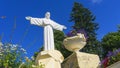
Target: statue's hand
(64, 27)
(28, 18)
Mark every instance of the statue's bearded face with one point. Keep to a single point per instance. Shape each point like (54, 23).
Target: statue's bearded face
(47, 15)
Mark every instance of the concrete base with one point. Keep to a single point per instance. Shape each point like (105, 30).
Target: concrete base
(50, 59)
(81, 60)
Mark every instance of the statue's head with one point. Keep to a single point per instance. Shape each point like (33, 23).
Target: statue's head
(47, 15)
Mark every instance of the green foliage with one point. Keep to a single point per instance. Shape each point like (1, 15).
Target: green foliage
(30, 63)
(11, 56)
(84, 19)
(110, 42)
(58, 38)
(36, 53)
(114, 59)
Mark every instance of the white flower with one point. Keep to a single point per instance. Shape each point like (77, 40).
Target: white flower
(1, 49)
(1, 44)
(27, 59)
(9, 44)
(1, 54)
(32, 58)
(6, 46)
(23, 50)
(13, 47)
(34, 66)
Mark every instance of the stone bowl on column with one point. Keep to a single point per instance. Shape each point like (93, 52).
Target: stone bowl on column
(75, 43)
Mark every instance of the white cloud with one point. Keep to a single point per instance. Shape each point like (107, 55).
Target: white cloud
(96, 1)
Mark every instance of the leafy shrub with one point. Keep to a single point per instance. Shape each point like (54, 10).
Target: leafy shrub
(111, 58)
(11, 56)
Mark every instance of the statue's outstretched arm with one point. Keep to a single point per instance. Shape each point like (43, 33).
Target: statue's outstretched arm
(28, 18)
(58, 26)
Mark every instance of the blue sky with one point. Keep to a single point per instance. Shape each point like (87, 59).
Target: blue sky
(30, 37)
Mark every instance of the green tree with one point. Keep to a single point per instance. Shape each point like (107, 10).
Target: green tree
(110, 42)
(84, 19)
(58, 38)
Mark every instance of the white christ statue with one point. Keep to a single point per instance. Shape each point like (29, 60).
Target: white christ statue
(48, 25)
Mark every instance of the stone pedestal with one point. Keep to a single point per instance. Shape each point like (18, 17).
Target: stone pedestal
(50, 59)
(81, 60)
